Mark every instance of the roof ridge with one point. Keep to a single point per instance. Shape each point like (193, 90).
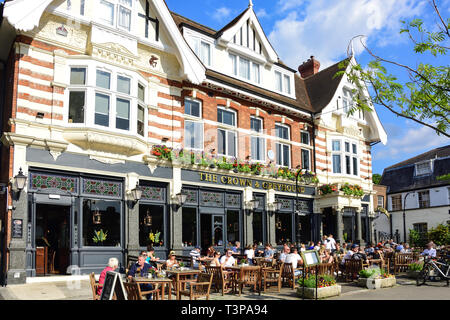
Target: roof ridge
(409, 161)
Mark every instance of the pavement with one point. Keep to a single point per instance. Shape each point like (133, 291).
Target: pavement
(71, 289)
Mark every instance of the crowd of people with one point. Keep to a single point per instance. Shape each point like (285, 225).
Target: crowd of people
(329, 251)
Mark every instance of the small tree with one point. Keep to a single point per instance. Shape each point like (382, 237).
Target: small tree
(440, 235)
(376, 178)
(425, 98)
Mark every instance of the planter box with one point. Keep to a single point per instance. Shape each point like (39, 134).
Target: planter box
(412, 274)
(325, 292)
(373, 283)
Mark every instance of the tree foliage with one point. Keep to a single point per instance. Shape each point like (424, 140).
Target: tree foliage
(425, 97)
(376, 178)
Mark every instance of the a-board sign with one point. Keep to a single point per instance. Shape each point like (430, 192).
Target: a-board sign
(310, 258)
(17, 228)
(113, 284)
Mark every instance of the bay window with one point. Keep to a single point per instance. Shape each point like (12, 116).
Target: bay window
(77, 95)
(348, 155)
(107, 99)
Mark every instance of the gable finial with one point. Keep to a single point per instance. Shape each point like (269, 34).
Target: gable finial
(250, 3)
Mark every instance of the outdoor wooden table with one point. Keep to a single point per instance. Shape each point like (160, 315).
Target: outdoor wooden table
(161, 281)
(179, 275)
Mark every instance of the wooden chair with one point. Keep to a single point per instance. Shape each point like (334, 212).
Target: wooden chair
(388, 260)
(130, 260)
(325, 268)
(220, 281)
(155, 291)
(351, 269)
(249, 276)
(273, 275)
(187, 260)
(264, 263)
(288, 275)
(199, 288)
(94, 286)
(133, 291)
(401, 261)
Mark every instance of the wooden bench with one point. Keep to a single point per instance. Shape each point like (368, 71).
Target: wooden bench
(402, 261)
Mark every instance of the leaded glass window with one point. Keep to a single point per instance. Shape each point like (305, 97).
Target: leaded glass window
(211, 199)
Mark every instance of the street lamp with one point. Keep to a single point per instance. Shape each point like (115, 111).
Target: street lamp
(136, 193)
(20, 180)
(404, 214)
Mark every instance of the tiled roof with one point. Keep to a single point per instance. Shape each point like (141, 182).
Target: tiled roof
(400, 177)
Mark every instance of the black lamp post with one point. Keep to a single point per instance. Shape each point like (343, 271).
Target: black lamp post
(404, 215)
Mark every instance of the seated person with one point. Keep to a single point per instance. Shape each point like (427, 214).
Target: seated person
(295, 259)
(376, 254)
(250, 253)
(196, 258)
(227, 260)
(210, 252)
(215, 262)
(113, 264)
(236, 248)
(171, 261)
(349, 254)
(430, 250)
(311, 245)
(268, 252)
(359, 254)
(141, 268)
(325, 256)
(286, 251)
(151, 256)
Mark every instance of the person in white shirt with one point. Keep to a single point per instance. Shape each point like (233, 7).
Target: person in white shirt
(250, 253)
(227, 260)
(331, 243)
(286, 251)
(295, 259)
(429, 251)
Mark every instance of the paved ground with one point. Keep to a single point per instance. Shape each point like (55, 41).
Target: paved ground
(80, 290)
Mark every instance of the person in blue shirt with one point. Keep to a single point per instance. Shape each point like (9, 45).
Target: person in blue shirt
(141, 268)
(236, 248)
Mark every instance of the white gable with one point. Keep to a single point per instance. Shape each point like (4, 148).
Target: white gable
(25, 15)
(248, 33)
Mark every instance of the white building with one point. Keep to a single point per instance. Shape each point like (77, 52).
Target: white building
(418, 198)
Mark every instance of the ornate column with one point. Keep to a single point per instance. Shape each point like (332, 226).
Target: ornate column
(176, 221)
(359, 227)
(339, 223)
(132, 223)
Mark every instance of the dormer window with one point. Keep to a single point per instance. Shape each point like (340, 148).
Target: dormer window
(245, 69)
(282, 82)
(423, 168)
(202, 49)
(107, 13)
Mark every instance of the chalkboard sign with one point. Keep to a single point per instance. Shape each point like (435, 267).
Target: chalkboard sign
(17, 228)
(113, 285)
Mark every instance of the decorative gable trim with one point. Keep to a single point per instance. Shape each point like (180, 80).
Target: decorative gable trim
(227, 35)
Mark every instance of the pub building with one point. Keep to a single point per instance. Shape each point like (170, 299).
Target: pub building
(125, 124)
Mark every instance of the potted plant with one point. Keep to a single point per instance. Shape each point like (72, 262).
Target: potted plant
(374, 278)
(182, 266)
(414, 269)
(99, 237)
(326, 287)
(154, 237)
(243, 262)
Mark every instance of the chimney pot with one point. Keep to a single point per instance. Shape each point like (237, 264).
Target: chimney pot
(309, 67)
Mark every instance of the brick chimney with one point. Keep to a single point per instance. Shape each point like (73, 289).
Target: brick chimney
(309, 67)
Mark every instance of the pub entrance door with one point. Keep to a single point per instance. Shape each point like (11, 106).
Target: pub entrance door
(52, 238)
(212, 231)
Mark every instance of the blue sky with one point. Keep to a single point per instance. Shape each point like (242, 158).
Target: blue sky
(300, 28)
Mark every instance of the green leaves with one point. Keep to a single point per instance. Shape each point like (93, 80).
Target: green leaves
(99, 236)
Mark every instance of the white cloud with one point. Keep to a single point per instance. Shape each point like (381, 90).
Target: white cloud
(221, 14)
(323, 28)
(404, 144)
(289, 4)
(262, 13)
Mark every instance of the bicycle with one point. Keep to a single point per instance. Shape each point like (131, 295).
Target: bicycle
(434, 269)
